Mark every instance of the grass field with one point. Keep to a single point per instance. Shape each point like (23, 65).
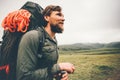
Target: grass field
(93, 66)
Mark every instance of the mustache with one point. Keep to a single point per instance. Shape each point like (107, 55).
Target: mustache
(61, 22)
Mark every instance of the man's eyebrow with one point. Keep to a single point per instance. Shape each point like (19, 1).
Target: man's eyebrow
(59, 13)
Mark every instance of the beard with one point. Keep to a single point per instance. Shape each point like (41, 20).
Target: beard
(56, 28)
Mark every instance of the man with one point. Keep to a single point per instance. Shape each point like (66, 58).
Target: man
(40, 63)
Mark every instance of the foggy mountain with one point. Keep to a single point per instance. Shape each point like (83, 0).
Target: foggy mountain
(88, 46)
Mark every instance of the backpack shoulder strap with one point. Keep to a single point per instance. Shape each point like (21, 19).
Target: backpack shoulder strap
(41, 34)
(0, 51)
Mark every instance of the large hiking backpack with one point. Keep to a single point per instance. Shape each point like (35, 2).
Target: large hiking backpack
(8, 58)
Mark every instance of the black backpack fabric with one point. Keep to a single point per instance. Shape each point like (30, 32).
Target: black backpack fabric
(36, 11)
(0, 49)
(8, 61)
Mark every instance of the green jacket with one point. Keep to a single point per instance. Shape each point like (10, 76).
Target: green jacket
(34, 62)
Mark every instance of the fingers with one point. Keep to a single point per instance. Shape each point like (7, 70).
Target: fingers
(73, 69)
(65, 76)
(67, 67)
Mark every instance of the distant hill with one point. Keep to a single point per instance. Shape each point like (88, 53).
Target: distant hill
(113, 45)
(88, 46)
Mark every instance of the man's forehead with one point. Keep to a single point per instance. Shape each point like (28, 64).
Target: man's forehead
(57, 12)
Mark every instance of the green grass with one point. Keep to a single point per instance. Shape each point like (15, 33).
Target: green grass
(93, 51)
(93, 67)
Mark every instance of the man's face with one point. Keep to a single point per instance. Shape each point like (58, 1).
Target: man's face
(56, 21)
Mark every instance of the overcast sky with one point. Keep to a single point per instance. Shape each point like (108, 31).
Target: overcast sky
(85, 20)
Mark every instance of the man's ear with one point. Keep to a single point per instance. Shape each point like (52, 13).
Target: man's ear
(46, 18)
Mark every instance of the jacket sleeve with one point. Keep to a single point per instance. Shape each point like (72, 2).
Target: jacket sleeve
(27, 59)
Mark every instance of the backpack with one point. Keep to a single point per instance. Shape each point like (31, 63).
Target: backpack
(0, 49)
(8, 61)
(4, 73)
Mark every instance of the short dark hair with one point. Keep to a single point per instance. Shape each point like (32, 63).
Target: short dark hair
(49, 9)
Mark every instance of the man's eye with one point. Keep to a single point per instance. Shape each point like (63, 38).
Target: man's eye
(59, 14)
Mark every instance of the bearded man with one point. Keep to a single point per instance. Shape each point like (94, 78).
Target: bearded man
(40, 63)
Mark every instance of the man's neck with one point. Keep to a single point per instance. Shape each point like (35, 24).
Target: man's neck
(48, 30)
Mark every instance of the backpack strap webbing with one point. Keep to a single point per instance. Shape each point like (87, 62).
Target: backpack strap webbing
(41, 34)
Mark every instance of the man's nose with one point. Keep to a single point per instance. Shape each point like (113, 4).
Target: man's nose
(63, 19)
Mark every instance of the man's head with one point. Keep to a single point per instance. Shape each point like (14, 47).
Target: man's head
(54, 18)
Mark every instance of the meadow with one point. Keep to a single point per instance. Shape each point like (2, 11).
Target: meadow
(102, 64)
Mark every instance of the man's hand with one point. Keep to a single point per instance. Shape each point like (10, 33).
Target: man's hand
(67, 67)
(64, 76)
